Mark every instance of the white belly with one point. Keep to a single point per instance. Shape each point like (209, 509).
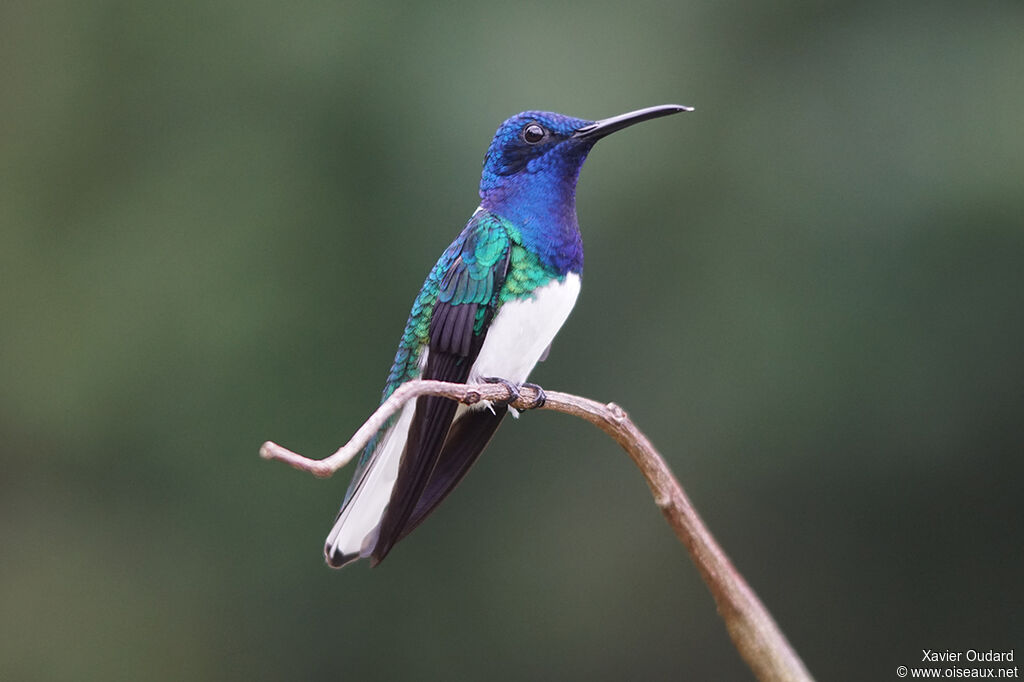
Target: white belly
(523, 329)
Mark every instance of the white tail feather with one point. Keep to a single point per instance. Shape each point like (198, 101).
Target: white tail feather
(354, 535)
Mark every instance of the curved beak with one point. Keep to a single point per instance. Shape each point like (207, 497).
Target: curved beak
(607, 126)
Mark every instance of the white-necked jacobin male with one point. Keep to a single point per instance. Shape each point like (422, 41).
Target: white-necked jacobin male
(488, 310)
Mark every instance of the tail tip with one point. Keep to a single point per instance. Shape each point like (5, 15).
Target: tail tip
(335, 558)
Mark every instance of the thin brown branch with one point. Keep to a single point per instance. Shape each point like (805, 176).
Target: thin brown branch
(754, 632)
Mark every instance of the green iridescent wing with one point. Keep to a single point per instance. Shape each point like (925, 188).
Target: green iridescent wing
(468, 288)
(469, 435)
(448, 321)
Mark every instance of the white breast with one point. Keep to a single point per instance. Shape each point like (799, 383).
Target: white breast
(523, 329)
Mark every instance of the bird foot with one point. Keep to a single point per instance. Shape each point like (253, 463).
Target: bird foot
(515, 395)
(513, 390)
(539, 401)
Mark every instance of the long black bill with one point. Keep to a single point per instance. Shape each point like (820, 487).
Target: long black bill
(607, 126)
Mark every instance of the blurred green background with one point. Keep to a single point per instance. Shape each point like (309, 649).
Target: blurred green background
(809, 293)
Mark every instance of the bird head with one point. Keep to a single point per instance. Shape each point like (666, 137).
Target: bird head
(533, 163)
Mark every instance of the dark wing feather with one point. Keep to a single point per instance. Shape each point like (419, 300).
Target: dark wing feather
(455, 337)
(466, 440)
(427, 432)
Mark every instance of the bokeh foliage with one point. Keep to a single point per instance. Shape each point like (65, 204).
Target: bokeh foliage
(809, 293)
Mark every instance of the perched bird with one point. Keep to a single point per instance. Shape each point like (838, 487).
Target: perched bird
(488, 310)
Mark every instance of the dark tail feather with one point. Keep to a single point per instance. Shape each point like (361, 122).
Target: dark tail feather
(468, 437)
(426, 434)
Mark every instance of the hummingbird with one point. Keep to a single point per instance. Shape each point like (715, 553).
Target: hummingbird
(488, 311)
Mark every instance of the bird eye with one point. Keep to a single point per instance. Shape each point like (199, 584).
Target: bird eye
(533, 133)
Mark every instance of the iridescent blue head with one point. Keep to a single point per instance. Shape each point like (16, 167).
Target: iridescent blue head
(532, 166)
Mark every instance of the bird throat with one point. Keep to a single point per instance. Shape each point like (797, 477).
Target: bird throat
(543, 211)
